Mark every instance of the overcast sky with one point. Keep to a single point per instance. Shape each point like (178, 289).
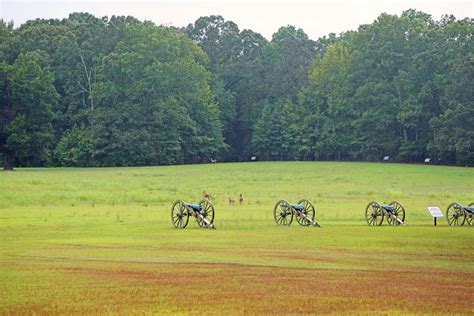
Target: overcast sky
(316, 18)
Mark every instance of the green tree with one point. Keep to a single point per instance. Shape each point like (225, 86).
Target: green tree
(328, 102)
(267, 138)
(235, 58)
(453, 134)
(154, 101)
(74, 148)
(286, 61)
(132, 93)
(6, 32)
(28, 98)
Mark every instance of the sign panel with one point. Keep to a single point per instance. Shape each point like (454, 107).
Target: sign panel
(435, 211)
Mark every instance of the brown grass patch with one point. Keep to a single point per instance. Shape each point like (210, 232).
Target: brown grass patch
(242, 289)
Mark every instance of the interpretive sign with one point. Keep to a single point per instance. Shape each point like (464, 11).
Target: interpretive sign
(435, 212)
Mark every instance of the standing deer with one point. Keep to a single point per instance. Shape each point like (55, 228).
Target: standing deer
(231, 201)
(207, 195)
(241, 199)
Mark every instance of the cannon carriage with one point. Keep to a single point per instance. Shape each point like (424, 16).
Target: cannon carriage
(202, 212)
(304, 211)
(457, 214)
(376, 212)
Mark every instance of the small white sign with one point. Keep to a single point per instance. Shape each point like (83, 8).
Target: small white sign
(427, 160)
(435, 211)
(386, 158)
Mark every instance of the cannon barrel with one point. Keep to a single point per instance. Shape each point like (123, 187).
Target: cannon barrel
(396, 218)
(314, 223)
(206, 221)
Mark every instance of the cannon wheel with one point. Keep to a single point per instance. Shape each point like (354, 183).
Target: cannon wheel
(469, 216)
(374, 214)
(179, 214)
(308, 210)
(399, 212)
(455, 214)
(282, 213)
(207, 210)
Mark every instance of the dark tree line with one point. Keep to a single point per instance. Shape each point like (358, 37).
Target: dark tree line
(116, 91)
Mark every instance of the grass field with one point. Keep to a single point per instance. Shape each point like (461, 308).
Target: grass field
(88, 241)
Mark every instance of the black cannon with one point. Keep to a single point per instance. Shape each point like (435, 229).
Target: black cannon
(304, 212)
(458, 214)
(375, 213)
(203, 212)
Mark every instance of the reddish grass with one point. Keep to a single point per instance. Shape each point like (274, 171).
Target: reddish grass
(243, 289)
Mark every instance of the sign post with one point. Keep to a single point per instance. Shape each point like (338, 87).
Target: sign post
(435, 212)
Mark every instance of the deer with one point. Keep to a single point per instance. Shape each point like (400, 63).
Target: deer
(209, 196)
(231, 201)
(241, 199)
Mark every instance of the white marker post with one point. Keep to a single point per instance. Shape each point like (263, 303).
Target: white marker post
(435, 212)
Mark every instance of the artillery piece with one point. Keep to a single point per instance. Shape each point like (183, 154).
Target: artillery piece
(375, 213)
(458, 214)
(203, 212)
(304, 212)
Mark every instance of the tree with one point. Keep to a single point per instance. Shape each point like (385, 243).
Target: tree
(453, 135)
(154, 101)
(28, 98)
(378, 91)
(6, 32)
(287, 60)
(235, 61)
(132, 93)
(327, 102)
(268, 133)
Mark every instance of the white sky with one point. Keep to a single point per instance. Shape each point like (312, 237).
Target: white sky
(316, 18)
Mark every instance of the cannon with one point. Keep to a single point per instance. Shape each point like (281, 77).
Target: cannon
(458, 214)
(203, 212)
(375, 213)
(304, 212)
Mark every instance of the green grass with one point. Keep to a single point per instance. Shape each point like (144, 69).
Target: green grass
(101, 240)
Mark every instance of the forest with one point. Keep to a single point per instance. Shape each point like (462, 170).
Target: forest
(116, 91)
